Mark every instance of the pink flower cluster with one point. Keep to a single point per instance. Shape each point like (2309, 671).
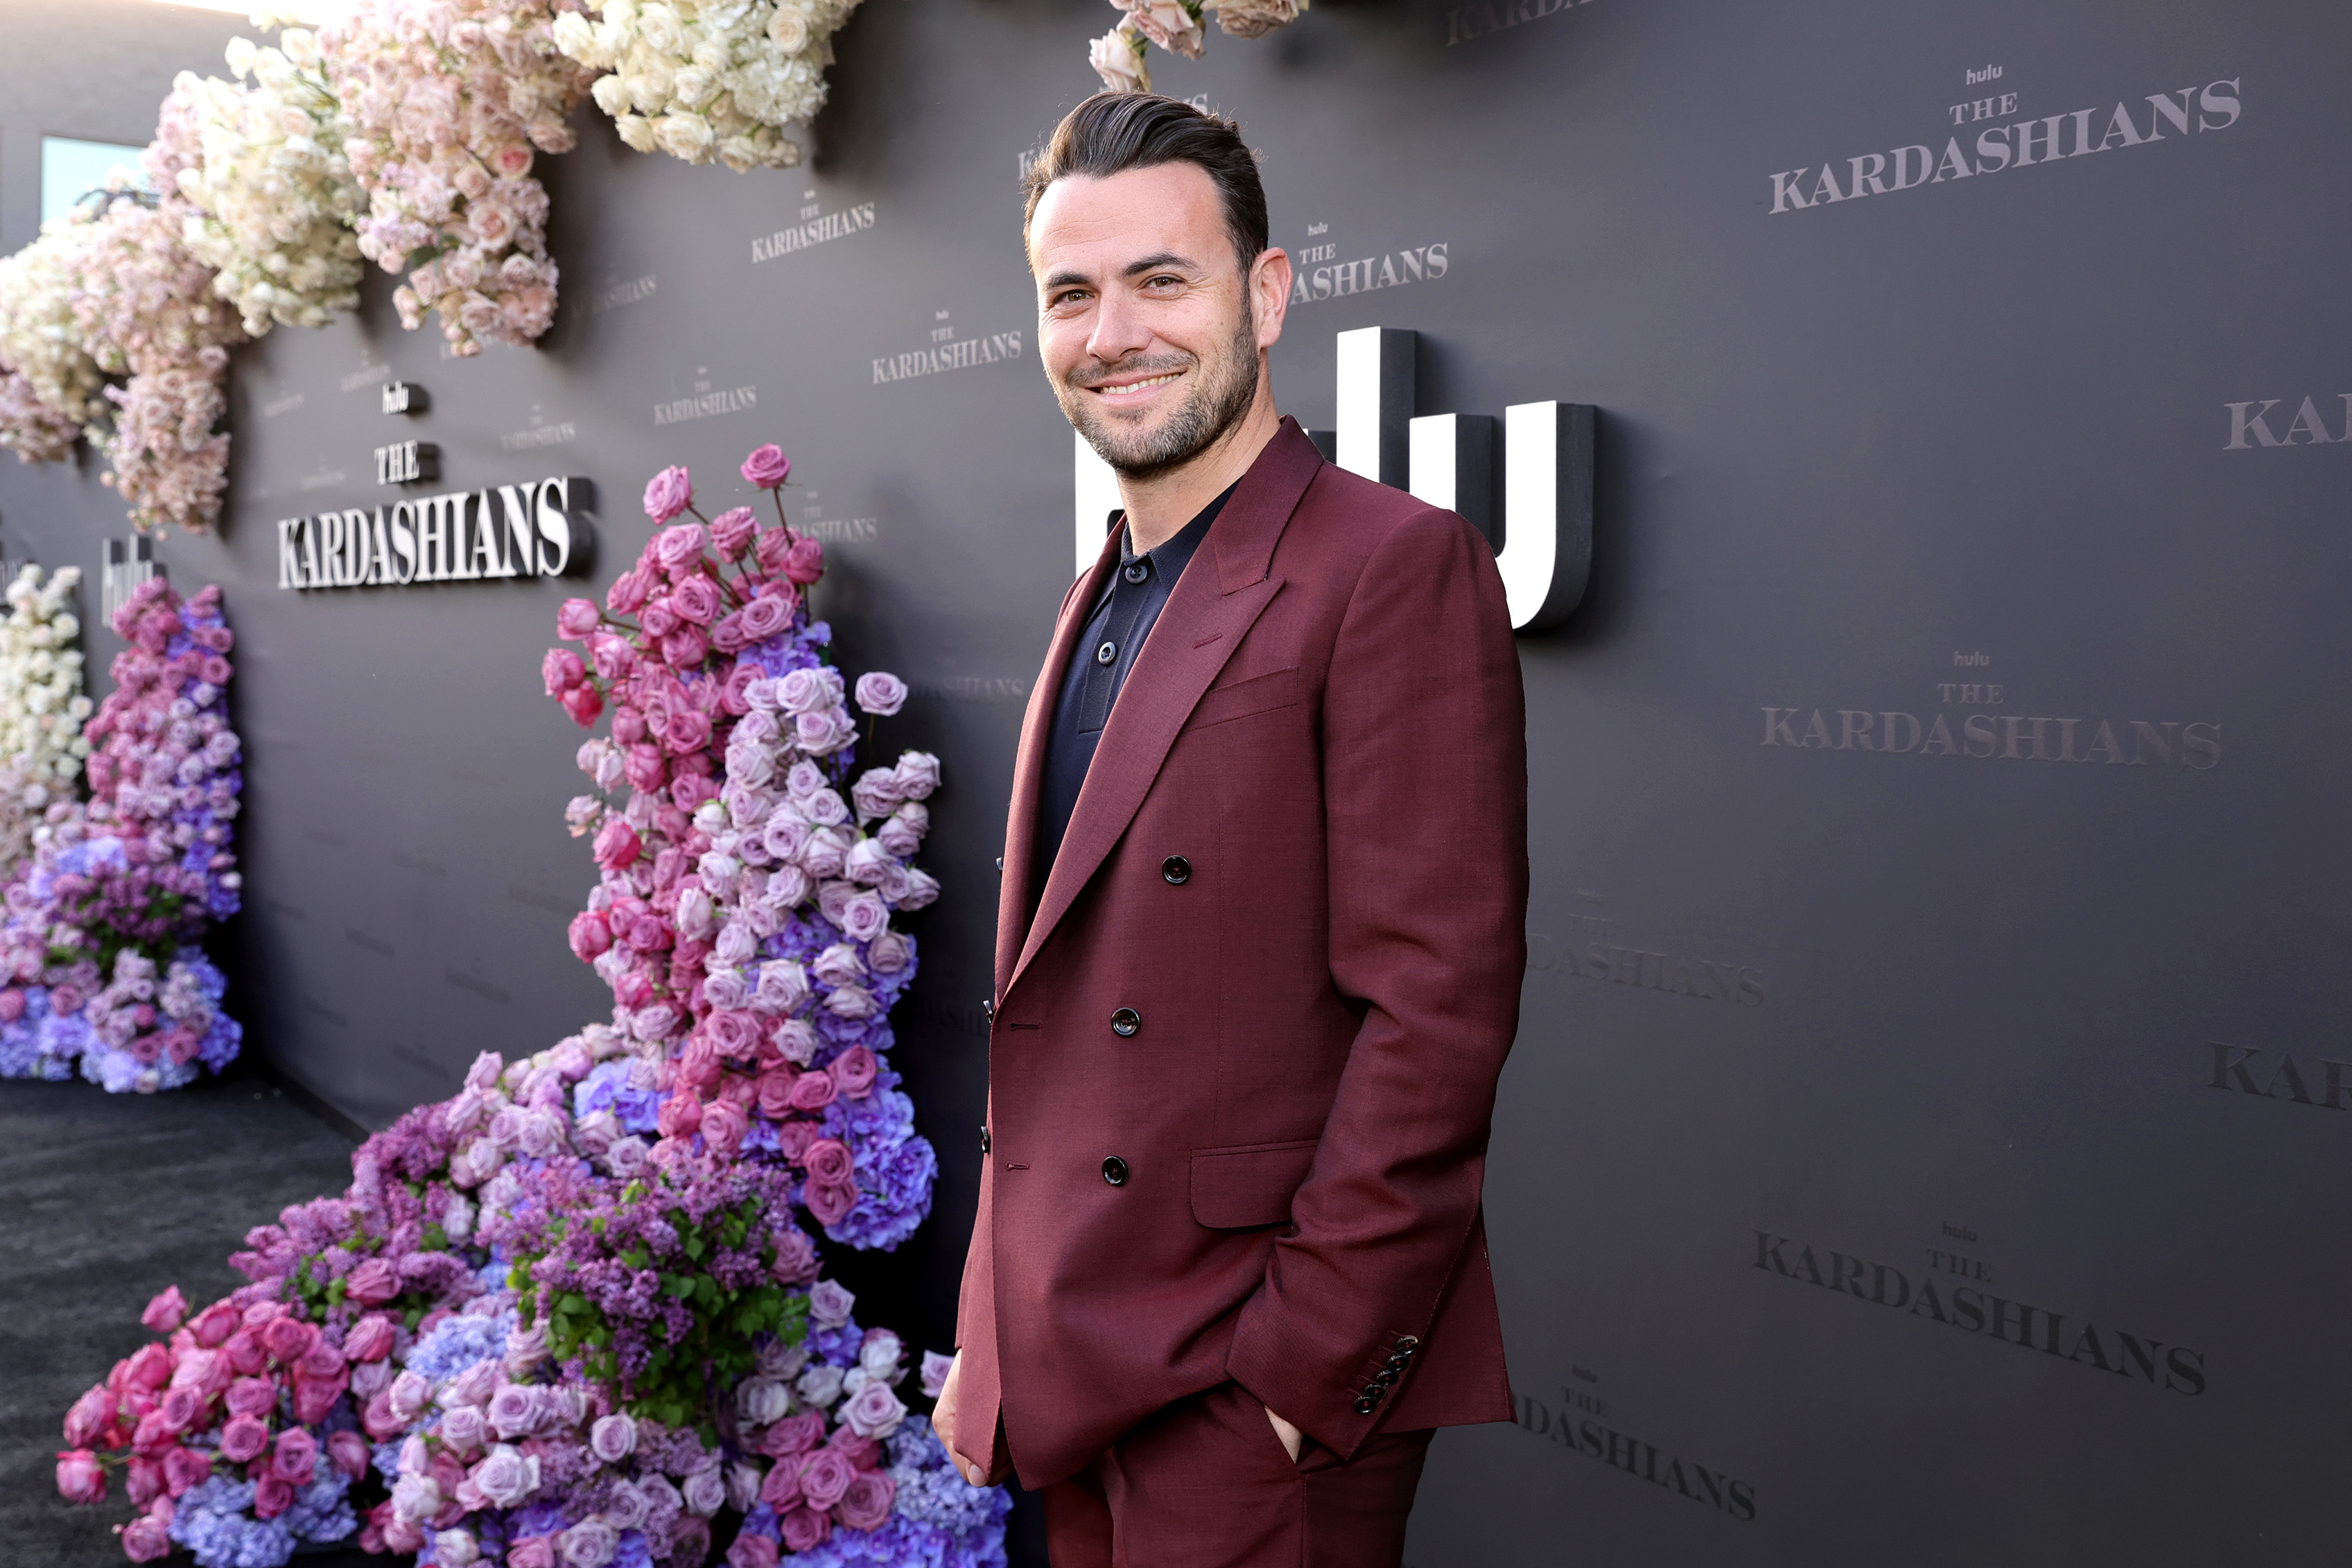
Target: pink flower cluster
(449, 101)
(234, 1391)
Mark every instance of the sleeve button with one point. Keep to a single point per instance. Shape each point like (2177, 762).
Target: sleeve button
(1365, 1406)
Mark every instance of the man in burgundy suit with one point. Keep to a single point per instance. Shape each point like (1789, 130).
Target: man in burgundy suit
(1261, 934)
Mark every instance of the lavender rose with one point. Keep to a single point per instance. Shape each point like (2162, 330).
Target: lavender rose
(829, 1303)
(592, 1542)
(507, 1475)
(706, 1490)
(880, 693)
(612, 1438)
(873, 1411)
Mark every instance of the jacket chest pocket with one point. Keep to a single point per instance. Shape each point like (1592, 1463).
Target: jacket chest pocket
(1240, 698)
(1250, 1184)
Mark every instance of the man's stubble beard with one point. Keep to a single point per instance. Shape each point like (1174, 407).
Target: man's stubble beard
(1217, 403)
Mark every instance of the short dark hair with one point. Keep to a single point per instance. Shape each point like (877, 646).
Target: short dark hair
(1112, 132)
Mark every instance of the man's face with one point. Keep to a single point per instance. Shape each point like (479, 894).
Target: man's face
(1145, 315)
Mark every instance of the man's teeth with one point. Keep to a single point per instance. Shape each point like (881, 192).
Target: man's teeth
(1135, 386)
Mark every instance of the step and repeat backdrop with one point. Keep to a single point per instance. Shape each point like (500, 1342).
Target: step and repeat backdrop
(1926, 1132)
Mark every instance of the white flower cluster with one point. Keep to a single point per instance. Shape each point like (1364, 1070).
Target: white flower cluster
(446, 101)
(1177, 25)
(274, 191)
(705, 79)
(41, 706)
(37, 335)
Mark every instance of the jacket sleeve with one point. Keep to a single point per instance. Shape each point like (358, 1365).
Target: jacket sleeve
(1424, 780)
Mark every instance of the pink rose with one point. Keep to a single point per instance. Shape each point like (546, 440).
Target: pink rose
(804, 563)
(538, 1552)
(752, 1552)
(314, 1396)
(685, 647)
(867, 1504)
(723, 1126)
(829, 1160)
(630, 590)
(617, 845)
(577, 618)
(369, 1339)
(670, 492)
(612, 655)
(372, 1282)
(660, 618)
(678, 551)
(288, 1341)
(296, 1458)
(766, 467)
(243, 1438)
(80, 1478)
(679, 1116)
(880, 693)
(805, 1529)
(590, 935)
(181, 1408)
(813, 1091)
(688, 730)
(853, 1071)
(12, 1003)
(92, 1414)
(793, 1436)
(825, 1475)
(562, 670)
(166, 1311)
(732, 532)
(251, 1397)
(348, 1452)
(272, 1495)
(769, 616)
(186, 1467)
(697, 600)
(582, 703)
(147, 1538)
(828, 1203)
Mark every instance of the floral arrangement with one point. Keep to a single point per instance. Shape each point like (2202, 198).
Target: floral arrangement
(743, 917)
(446, 102)
(41, 707)
(263, 166)
(98, 946)
(1120, 57)
(705, 79)
(571, 1317)
(39, 341)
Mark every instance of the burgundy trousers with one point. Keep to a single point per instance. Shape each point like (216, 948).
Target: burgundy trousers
(1206, 1483)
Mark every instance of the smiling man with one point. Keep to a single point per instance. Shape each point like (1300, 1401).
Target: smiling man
(1260, 937)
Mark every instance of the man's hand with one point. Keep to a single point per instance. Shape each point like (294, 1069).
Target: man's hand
(944, 1422)
(1291, 1436)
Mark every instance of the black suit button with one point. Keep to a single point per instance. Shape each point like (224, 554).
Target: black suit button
(1366, 1406)
(1406, 1344)
(1126, 1022)
(1400, 1361)
(983, 1140)
(1383, 1378)
(1176, 870)
(1115, 1171)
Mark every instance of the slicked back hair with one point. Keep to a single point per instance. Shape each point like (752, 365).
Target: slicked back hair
(1112, 132)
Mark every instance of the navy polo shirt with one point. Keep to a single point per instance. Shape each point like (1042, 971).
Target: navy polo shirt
(1115, 632)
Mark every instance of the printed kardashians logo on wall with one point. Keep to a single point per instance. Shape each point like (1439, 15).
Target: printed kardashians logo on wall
(1318, 272)
(947, 351)
(2245, 1069)
(1579, 1420)
(816, 226)
(1972, 717)
(2033, 140)
(1956, 1290)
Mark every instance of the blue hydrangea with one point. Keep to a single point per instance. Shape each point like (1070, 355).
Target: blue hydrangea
(214, 1522)
(606, 1088)
(931, 1493)
(457, 1342)
(321, 1511)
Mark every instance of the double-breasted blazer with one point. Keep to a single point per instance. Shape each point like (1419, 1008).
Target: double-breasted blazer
(1243, 1054)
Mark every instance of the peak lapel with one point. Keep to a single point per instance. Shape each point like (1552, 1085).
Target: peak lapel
(1029, 765)
(1204, 621)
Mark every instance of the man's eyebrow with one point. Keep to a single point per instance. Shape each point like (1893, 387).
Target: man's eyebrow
(1151, 263)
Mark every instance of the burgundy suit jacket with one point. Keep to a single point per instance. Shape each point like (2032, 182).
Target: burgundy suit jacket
(1300, 859)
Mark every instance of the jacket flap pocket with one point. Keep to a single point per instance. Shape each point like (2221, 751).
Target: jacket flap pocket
(1240, 698)
(1237, 1188)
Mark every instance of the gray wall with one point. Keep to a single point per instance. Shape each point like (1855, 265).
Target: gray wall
(1868, 457)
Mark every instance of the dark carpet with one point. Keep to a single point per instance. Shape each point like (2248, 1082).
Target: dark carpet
(104, 1201)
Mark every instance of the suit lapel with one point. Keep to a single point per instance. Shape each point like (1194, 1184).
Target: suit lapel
(1204, 621)
(1029, 763)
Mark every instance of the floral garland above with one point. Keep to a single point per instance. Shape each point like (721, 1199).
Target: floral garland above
(1120, 57)
(569, 1317)
(41, 708)
(405, 133)
(98, 947)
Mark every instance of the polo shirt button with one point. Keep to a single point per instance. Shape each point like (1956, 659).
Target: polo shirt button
(1106, 653)
(1176, 870)
(1138, 571)
(1126, 1022)
(1115, 1171)
(988, 1008)
(983, 1140)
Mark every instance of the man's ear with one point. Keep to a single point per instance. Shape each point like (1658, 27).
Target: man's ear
(1269, 284)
